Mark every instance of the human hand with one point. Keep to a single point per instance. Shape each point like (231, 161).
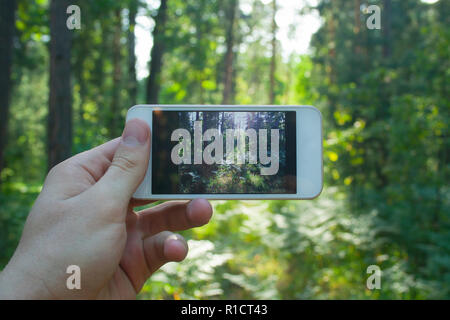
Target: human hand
(84, 216)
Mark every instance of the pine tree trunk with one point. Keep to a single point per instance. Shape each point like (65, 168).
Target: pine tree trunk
(230, 14)
(114, 123)
(79, 70)
(154, 78)
(357, 28)
(386, 27)
(132, 82)
(331, 63)
(274, 53)
(59, 130)
(7, 22)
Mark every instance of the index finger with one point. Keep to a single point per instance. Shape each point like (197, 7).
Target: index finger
(97, 160)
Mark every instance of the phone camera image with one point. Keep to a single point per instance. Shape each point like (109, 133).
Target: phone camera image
(224, 152)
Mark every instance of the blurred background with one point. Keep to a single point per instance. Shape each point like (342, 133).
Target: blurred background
(383, 93)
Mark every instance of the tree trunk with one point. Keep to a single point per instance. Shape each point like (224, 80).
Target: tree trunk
(154, 78)
(7, 22)
(357, 15)
(331, 63)
(132, 82)
(274, 53)
(383, 112)
(83, 94)
(83, 50)
(114, 126)
(386, 27)
(59, 130)
(230, 15)
(357, 27)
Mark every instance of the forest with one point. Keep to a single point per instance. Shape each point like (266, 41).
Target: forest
(223, 152)
(383, 93)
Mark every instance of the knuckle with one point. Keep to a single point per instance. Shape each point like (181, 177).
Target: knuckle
(124, 163)
(60, 169)
(56, 170)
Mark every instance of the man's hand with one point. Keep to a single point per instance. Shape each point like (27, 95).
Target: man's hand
(84, 216)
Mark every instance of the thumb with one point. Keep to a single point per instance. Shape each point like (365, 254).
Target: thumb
(129, 164)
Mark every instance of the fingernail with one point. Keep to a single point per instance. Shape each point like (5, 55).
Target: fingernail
(201, 217)
(176, 239)
(135, 133)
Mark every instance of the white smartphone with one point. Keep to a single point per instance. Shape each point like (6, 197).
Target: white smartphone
(232, 152)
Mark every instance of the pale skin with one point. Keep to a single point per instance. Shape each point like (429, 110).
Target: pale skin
(84, 216)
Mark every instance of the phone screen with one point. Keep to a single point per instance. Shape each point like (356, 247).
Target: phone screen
(224, 152)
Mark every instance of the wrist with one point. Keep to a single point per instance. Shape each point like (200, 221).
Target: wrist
(18, 284)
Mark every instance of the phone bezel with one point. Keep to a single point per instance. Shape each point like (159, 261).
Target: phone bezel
(309, 150)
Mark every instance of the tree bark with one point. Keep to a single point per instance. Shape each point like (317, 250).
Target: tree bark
(386, 27)
(357, 15)
(230, 15)
(132, 82)
(357, 28)
(7, 22)
(154, 78)
(59, 130)
(274, 54)
(114, 126)
(78, 73)
(331, 63)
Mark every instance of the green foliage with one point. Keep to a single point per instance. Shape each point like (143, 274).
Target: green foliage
(387, 138)
(16, 200)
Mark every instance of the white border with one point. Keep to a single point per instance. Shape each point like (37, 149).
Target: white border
(309, 126)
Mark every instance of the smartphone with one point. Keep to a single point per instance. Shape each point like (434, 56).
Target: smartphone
(232, 152)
